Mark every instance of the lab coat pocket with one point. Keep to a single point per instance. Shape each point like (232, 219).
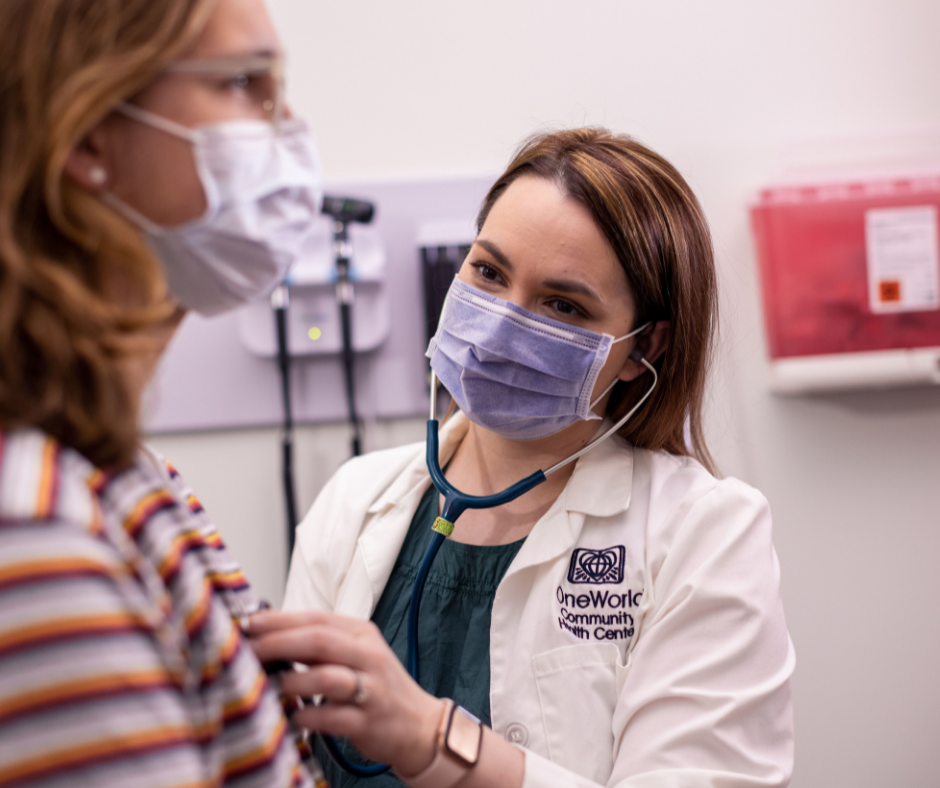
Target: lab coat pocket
(578, 688)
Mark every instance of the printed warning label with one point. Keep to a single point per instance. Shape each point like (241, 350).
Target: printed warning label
(903, 259)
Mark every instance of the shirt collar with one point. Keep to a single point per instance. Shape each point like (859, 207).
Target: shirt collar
(42, 480)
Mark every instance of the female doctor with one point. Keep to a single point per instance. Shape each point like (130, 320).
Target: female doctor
(621, 623)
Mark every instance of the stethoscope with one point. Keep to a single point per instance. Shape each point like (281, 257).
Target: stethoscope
(455, 504)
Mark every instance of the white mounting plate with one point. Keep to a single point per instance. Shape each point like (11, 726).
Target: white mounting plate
(313, 324)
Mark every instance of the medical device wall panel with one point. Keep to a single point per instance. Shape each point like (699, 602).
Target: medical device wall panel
(850, 276)
(222, 373)
(313, 326)
(443, 246)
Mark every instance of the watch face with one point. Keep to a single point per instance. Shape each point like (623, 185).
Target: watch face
(463, 736)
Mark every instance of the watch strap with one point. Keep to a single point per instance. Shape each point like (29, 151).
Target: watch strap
(445, 770)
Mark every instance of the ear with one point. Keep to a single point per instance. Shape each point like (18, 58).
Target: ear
(651, 345)
(85, 163)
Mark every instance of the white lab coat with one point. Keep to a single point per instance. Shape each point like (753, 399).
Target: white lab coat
(638, 637)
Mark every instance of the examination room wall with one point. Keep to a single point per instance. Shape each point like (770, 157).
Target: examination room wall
(733, 92)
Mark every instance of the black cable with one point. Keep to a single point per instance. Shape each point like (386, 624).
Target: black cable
(280, 300)
(344, 297)
(345, 313)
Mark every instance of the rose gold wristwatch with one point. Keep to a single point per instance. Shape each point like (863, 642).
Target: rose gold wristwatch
(459, 736)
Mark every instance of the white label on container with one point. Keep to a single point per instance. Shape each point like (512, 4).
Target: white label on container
(903, 260)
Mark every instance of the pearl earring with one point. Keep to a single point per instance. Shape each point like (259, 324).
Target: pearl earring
(98, 175)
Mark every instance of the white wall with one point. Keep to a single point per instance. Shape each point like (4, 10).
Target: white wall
(725, 90)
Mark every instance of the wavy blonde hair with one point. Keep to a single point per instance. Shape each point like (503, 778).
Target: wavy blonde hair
(64, 343)
(656, 227)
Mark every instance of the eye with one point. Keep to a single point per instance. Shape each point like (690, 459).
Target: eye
(239, 82)
(487, 272)
(566, 308)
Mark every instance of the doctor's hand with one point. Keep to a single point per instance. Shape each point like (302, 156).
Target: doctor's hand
(373, 701)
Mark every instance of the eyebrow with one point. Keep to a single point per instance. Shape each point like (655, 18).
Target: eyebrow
(494, 250)
(562, 285)
(571, 286)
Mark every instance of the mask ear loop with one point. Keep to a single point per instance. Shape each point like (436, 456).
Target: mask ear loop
(615, 381)
(133, 216)
(170, 127)
(637, 355)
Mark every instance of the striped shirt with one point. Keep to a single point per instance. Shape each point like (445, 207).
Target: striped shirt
(121, 662)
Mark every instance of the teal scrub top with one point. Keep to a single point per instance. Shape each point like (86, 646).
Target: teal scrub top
(454, 625)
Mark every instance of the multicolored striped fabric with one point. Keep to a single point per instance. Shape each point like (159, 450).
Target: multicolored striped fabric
(121, 661)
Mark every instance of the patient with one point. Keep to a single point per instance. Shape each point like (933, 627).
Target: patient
(121, 658)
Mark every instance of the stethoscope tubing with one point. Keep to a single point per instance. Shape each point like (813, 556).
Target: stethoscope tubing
(414, 609)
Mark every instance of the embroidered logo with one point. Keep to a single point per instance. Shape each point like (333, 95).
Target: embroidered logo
(597, 566)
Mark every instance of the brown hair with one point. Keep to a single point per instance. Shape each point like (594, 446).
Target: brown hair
(65, 345)
(650, 217)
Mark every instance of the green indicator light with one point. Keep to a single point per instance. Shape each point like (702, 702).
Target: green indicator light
(314, 333)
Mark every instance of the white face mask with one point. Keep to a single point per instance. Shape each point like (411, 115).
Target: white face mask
(263, 188)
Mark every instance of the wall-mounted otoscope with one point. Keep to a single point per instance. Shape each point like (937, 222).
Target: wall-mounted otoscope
(348, 210)
(345, 211)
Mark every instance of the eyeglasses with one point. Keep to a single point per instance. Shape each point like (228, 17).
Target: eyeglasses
(261, 77)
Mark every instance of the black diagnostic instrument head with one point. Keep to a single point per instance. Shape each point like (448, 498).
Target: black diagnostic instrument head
(348, 209)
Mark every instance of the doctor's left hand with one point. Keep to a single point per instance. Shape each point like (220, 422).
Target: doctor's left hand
(373, 701)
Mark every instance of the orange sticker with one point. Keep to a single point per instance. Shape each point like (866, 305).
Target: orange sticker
(889, 291)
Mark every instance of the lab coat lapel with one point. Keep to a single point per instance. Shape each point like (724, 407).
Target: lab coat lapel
(379, 545)
(600, 486)
(602, 482)
(387, 523)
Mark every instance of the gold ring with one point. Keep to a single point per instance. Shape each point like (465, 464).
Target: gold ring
(359, 695)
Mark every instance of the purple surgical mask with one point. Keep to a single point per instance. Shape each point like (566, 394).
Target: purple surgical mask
(515, 373)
